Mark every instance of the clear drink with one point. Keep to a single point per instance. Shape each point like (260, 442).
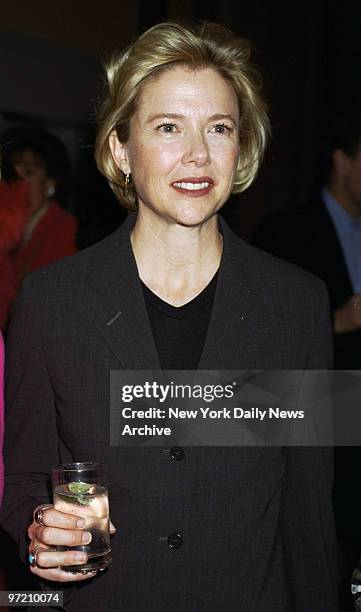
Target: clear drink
(90, 501)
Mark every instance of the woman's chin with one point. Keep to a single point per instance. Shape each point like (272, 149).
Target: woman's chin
(190, 216)
(186, 214)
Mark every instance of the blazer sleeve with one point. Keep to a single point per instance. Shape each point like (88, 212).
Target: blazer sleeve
(31, 443)
(307, 515)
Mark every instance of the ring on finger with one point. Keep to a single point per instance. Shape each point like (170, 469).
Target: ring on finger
(39, 515)
(33, 556)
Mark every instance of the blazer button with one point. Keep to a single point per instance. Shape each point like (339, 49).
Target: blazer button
(177, 453)
(175, 540)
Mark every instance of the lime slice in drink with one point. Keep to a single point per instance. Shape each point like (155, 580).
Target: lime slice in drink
(79, 488)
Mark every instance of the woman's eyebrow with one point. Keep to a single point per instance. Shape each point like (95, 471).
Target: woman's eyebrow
(164, 116)
(216, 117)
(221, 116)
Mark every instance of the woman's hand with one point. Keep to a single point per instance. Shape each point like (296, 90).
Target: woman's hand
(59, 529)
(348, 317)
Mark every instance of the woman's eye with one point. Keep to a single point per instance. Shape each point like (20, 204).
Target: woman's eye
(167, 128)
(221, 128)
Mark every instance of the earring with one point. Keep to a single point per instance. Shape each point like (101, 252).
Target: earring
(126, 182)
(50, 191)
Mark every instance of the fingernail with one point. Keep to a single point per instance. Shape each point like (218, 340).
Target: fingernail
(86, 537)
(80, 523)
(80, 557)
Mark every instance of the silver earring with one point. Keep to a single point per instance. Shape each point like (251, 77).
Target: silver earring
(50, 191)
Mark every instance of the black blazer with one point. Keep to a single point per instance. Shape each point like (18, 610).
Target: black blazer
(307, 237)
(257, 522)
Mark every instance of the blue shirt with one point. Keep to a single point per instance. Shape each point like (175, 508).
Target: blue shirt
(348, 231)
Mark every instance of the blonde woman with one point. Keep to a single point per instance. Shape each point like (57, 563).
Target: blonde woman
(183, 125)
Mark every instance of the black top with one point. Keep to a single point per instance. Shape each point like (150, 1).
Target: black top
(179, 331)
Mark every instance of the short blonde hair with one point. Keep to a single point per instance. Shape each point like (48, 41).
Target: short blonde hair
(164, 46)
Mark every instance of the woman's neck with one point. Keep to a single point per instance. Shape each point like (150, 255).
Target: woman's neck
(174, 261)
(33, 220)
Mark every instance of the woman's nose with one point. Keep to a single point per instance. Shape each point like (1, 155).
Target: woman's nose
(196, 150)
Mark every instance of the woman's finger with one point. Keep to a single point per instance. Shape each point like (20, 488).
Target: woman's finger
(52, 536)
(54, 518)
(49, 558)
(58, 575)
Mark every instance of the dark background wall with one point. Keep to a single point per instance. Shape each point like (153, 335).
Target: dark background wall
(308, 50)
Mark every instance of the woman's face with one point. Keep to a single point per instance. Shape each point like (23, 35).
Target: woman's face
(31, 168)
(183, 146)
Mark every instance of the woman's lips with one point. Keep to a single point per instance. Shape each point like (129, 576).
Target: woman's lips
(194, 187)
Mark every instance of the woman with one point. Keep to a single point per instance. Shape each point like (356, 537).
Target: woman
(35, 229)
(198, 528)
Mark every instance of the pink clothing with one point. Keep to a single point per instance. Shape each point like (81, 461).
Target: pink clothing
(1, 416)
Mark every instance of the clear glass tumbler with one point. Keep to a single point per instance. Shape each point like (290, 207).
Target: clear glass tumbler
(77, 489)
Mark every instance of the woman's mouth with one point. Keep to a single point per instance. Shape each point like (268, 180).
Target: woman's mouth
(194, 186)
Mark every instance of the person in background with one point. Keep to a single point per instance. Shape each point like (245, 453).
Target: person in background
(14, 207)
(325, 238)
(35, 228)
(3, 584)
(1, 416)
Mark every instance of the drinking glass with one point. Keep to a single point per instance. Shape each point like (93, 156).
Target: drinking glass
(78, 490)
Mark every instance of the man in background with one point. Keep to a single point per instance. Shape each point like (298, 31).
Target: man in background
(325, 238)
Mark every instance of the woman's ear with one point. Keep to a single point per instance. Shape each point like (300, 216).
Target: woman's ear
(50, 187)
(119, 153)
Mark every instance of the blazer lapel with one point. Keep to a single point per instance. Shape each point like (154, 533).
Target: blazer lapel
(234, 302)
(118, 303)
(121, 315)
